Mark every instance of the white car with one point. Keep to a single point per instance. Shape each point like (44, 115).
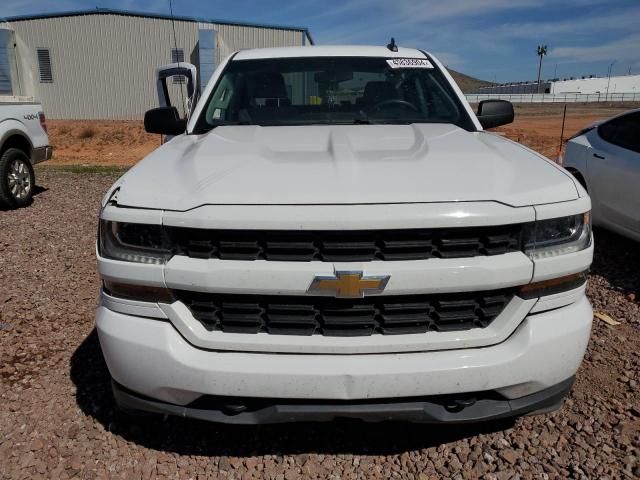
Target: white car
(23, 143)
(333, 234)
(605, 158)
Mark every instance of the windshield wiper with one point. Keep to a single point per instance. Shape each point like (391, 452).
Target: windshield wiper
(363, 120)
(211, 126)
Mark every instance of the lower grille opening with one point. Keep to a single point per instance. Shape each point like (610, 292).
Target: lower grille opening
(309, 315)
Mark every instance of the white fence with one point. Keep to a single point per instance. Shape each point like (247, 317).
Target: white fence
(555, 98)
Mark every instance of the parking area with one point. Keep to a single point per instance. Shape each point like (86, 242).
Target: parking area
(58, 420)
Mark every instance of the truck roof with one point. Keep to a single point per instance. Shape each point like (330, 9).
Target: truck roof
(328, 51)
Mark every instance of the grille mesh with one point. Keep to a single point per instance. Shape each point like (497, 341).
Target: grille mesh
(387, 315)
(346, 246)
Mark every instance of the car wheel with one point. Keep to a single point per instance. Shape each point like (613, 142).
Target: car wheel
(17, 179)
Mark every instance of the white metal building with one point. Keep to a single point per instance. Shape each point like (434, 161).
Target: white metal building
(602, 85)
(100, 64)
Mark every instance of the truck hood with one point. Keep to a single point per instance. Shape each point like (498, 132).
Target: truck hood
(352, 164)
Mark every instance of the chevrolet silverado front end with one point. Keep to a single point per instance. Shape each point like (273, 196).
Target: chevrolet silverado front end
(336, 236)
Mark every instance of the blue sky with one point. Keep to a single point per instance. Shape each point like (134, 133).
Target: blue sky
(489, 39)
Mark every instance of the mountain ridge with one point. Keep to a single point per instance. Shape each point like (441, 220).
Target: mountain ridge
(467, 83)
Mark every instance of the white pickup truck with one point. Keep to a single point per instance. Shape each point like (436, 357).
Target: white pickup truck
(23, 143)
(332, 233)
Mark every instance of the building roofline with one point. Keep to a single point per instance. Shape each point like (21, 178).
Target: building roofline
(131, 13)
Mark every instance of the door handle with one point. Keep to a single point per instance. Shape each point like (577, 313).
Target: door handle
(598, 156)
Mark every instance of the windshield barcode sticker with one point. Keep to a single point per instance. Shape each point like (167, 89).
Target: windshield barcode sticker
(409, 63)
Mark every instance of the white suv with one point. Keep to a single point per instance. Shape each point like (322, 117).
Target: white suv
(332, 234)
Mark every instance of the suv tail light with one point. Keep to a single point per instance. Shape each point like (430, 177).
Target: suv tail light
(43, 121)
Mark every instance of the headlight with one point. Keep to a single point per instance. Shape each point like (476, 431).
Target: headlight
(134, 242)
(557, 236)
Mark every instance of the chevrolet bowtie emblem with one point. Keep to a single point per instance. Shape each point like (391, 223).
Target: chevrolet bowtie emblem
(348, 284)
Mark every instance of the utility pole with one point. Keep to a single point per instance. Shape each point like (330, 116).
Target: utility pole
(606, 97)
(542, 51)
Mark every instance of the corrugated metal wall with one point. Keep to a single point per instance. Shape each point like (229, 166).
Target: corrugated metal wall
(104, 64)
(235, 37)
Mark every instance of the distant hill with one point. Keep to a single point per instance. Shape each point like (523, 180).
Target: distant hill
(466, 83)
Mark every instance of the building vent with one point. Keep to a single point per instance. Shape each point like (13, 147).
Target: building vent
(177, 56)
(44, 65)
(206, 56)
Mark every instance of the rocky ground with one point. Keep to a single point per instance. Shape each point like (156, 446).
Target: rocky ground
(57, 416)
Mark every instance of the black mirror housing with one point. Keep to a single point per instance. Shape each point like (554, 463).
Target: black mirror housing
(493, 113)
(165, 121)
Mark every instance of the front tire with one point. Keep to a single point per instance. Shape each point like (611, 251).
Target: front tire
(17, 179)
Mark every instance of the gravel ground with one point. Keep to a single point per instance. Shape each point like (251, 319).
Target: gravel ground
(57, 416)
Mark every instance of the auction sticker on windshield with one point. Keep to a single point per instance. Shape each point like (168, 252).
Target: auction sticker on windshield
(409, 63)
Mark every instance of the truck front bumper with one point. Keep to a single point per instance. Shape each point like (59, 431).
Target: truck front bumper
(468, 408)
(156, 369)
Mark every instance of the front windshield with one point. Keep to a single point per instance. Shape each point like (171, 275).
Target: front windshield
(331, 90)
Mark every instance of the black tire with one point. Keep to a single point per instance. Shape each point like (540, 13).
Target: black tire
(16, 186)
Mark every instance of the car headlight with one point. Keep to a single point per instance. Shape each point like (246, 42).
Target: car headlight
(557, 236)
(134, 242)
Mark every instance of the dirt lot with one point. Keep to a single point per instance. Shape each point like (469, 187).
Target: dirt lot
(539, 126)
(121, 143)
(58, 420)
(124, 143)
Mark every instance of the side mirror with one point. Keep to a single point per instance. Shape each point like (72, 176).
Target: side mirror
(165, 121)
(493, 113)
(189, 74)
